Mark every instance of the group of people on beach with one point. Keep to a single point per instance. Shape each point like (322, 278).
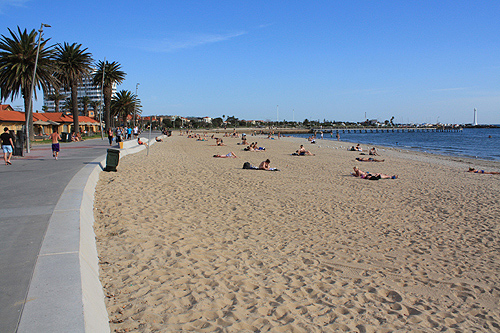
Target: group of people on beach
(302, 151)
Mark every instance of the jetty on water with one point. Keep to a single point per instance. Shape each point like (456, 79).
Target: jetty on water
(385, 130)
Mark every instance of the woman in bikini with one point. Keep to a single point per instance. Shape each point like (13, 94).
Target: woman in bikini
(482, 171)
(371, 176)
(230, 155)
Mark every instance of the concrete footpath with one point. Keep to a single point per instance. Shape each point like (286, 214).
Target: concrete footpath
(48, 259)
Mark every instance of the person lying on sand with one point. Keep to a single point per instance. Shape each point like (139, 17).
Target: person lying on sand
(371, 176)
(231, 154)
(482, 171)
(219, 142)
(265, 166)
(253, 147)
(368, 159)
(303, 152)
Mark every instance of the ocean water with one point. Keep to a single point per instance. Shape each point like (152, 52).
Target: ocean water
(481, 143)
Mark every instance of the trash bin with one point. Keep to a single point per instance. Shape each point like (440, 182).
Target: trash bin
(112, 159)
(18, 149)
(65, 137)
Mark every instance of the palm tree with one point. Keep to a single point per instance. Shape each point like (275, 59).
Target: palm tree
(17, 64)
(56, 96)
(95, 106)
(123, 104)
(85, 102)
(68, 105)
(112, 75)
(73, 64)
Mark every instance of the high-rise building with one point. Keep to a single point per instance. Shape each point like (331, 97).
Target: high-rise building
(85, 88)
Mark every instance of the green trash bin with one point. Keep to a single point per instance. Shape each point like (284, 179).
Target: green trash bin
(112, 159)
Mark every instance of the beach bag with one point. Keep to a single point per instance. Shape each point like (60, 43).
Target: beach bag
(247, 165)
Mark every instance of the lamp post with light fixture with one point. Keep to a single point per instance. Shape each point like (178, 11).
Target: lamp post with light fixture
(135, 105)
(29, 112)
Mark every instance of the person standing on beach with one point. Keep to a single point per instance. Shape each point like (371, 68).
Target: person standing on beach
(7, 145)
(55, 137)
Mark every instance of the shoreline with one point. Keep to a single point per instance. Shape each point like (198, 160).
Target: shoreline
(197, 243)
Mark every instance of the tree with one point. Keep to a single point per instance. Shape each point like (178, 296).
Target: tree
(217, 122)
(167, 123)
(306, 122)
(56, 96)
(232, 121)
(17, 64)
(112, 75)
(85, 103)
(68, 105)
(178, 122)
(123, 104)
(95, 106)
(73, 63)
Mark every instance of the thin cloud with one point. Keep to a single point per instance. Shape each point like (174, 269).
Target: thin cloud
(364, 92)
(187, 41)
(11, 3)
(262, 26)
(449, 89)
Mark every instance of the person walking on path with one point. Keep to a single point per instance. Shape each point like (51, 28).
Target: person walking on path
(7, 145)
(55, 137)
(110, 136)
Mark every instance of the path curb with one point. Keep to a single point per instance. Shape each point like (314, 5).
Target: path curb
(65, 293)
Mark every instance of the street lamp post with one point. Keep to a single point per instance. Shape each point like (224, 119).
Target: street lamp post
(135, 105)
(102, 98)
(28, 112)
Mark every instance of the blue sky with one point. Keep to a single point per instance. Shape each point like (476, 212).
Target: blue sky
(419, 61)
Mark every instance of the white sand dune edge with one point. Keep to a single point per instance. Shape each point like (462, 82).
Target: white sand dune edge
(191, 242)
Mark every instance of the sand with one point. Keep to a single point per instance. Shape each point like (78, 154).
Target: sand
(188, 242)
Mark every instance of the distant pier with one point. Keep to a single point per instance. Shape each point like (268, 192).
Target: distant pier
(386, 130)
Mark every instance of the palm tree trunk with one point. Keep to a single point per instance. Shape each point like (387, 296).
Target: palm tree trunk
(74, 98)
(107, 106)
(28, 115)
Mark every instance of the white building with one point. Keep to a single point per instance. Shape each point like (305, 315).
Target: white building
(86, 88)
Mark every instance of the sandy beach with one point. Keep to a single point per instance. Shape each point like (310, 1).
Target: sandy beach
(188, 242)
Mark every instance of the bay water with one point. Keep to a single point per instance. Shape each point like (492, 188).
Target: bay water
(481, 143)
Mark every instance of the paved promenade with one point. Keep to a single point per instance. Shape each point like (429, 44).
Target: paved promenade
(30, 189)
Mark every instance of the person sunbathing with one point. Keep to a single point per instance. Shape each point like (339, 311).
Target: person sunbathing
(302, 151)
(255, 147)
(231, 154)
(482, 171)
(374, 152)
(368, 159)
(140, 142)
(371, 176)
(264, 165)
